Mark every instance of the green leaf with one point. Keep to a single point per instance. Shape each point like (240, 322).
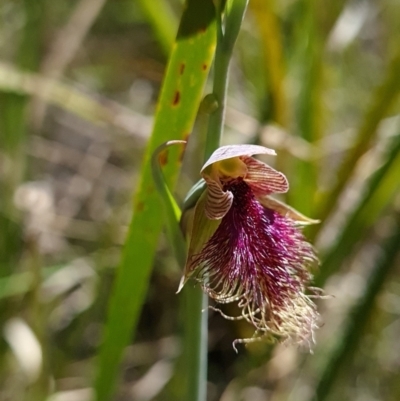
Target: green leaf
(180, 97)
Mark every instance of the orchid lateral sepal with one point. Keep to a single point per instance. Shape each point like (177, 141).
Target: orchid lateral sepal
(287, 211)
(200, 231)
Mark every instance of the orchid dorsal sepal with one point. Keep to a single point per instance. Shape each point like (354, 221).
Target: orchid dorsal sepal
(230, 151)
(171, 207)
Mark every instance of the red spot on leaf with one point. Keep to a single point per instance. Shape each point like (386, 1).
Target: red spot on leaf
(204, 67)
(140, 206)
(177, 98)
(163, 158)
(182, 68)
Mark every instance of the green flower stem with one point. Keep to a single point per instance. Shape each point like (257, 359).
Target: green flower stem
(197, 301)
(195, 342)
(216, 119)
(235, 10)
(192, 371)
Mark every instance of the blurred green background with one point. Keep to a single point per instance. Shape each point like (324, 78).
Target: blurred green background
(318, 81)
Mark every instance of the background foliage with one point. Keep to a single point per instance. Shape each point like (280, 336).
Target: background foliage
(317, 81)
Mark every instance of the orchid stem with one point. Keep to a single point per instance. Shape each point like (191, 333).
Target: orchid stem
(196, 341)
(197, 300)
(216, 120)
(226, 37)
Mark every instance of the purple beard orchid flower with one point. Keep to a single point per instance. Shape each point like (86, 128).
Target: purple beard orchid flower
(247, 248)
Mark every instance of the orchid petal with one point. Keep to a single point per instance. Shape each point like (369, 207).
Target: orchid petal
(227, 152)
(218, 202)
(263, 179)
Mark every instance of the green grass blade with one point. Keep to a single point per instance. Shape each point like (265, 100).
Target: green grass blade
(271, 39)
(195, 342)
(308, 107)
(162, 18)
(13, 133)
(21, 283)
(180, 97)
(359, 316)
(382, 100)
(381, 189)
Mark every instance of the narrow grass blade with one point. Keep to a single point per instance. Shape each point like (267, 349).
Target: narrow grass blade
(271, 38)
(381, 189)
(308, 109)
(180, 97)
(381, 101)
(90, 107)
(13, 129)
(358, 318)
(163, 20)
(21, 283)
